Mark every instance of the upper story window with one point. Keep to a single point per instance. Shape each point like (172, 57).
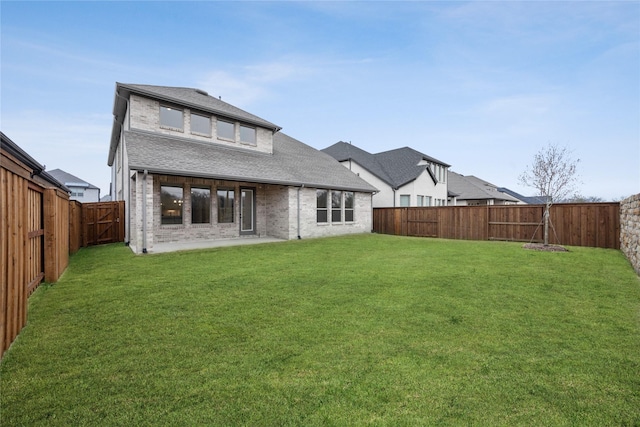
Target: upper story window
(200, 124)
(171, 118)
(247, 135)
(226, 130)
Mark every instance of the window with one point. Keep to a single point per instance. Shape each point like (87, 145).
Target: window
(247, 135)
(226, 199)
(348, 206)
(336, 206)
(200, 205)
(171, 205)
(200, 124)
(226, 130)
(321, 205)
(428, 200)
(405, 200)
(171, 118)
(420, 201)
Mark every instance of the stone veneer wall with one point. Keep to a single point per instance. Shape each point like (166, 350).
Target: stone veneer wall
(630, 230)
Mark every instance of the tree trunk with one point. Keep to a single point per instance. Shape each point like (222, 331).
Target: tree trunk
(546, 226)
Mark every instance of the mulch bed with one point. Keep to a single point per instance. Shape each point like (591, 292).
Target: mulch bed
(542, 247)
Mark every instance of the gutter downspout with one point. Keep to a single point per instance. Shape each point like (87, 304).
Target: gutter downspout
(394, 197)
(144, 212)
(299, 188)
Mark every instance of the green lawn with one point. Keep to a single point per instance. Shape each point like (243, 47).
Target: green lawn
(358, 330)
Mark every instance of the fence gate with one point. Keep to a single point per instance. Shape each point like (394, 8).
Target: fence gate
(103, 223)
(35, 236)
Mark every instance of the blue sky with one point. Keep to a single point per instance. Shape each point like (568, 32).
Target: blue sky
(481, 86)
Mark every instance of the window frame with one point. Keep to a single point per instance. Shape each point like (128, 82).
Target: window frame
(223, 216)
(349, 210)
(336, 209)
(254, 130)
(320, 209)
(225, 138)
(179, 202)
(197, 132)
(193, 206)
(169, 126)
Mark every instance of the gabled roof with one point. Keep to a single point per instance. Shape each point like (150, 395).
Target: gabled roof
(395, 167)
(292, 162)
(71, 180)
(472, 188)
(187, 97)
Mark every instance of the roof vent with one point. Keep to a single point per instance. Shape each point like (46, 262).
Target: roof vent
(202, 92)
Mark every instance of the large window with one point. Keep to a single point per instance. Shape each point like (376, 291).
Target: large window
(171, 118)
(349, 203)
(200, 124)
(200, 205)
(226, 130)
(226, 200)
(321, 205)
(336, 206)
(405, 200)
(171, 204)
(247, 135)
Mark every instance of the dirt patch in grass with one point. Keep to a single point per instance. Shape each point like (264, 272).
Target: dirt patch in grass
(542, 247)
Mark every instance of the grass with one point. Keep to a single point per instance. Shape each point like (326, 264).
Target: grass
(359, 330)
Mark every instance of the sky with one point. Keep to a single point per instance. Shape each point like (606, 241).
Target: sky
(482, 86)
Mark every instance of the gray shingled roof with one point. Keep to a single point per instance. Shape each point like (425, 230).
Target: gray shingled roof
(473, 188)
(70, 180)
(395, 167)
(292, 162)
(187, 97)
(198, 99)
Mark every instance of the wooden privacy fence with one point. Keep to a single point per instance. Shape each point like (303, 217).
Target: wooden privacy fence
(574, 224)
(39, 228)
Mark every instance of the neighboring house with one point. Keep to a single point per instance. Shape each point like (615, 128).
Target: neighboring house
(472, 191)
(405, 177)
(192, 167)
(80, 190)
(532, 200)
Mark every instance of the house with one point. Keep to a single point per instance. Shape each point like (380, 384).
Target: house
(472, 191)
(531, 200)
(404, 176)
(80, 190)
(191, 167)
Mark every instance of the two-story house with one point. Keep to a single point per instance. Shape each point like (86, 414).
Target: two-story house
(192, 167)
(404, 176)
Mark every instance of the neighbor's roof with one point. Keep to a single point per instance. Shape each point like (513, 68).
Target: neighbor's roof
(188, 97)
(395, 167)
(70, 180)
(532, 200)
(292, 162)
(473, 188)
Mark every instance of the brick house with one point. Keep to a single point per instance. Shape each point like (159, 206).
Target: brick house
(191, 167)
(404, 176)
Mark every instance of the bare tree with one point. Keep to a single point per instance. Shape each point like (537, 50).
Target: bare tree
(553, 175)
